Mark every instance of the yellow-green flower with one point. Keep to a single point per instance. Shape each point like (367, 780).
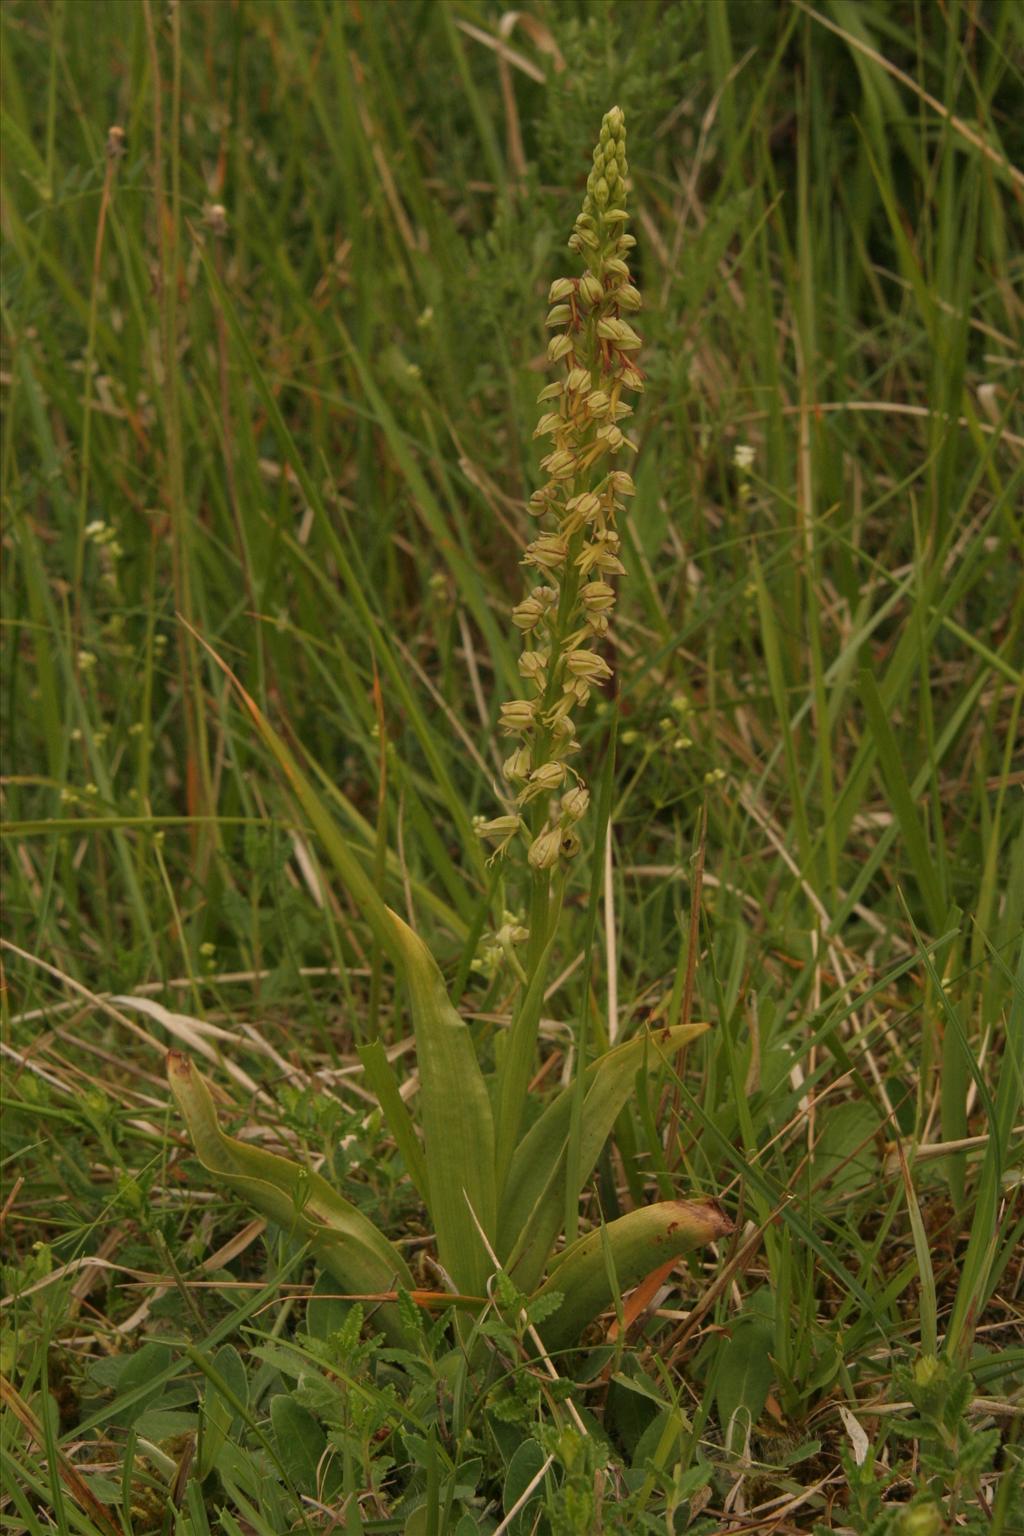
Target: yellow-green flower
(576, 551)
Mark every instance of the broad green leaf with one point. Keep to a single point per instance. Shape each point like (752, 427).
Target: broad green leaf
(533, 1202)
(218, 1413)
(458, 1128)
(303, 1204)
(526, 1462)
(326, 1311)
(165, 1423)
(845, 1156)
(300, 1441)
(145, 1365)
(636, 1244)
(745, 1373)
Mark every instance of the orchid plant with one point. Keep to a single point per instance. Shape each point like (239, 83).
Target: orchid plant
(498, 1181)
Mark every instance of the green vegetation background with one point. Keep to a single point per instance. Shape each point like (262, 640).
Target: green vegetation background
(270, 368)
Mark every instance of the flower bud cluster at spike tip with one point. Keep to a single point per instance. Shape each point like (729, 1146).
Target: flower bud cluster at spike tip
(565, 617)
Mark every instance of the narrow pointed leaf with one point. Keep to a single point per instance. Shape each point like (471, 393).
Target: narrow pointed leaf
(629, 1249)
(894, 774)
(458, 1127)
(380, 1075)
(303, 1204)
(356, 880)
(533, 1202)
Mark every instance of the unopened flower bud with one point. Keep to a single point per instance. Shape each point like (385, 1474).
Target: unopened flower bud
(516, 767)
(545, 849)
(560, 465)
(527, 614)
(597, 402)
(928, 1369)
(559, 347)
(549, 552)
(591, 289)
(532, 667)
(560, 315)
(617, 331)
(587, 505)
(549, 422)
(550, 392)
(560, 289)
(621, 483)
(597, 596)
(588, 666)
(548, 776)
(577, 379)
(575, 802)
(516, 716)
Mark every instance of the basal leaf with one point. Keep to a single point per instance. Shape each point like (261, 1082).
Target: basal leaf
(534, 1198)
(303, 1204)
(631, 1248)
(458, 1127)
